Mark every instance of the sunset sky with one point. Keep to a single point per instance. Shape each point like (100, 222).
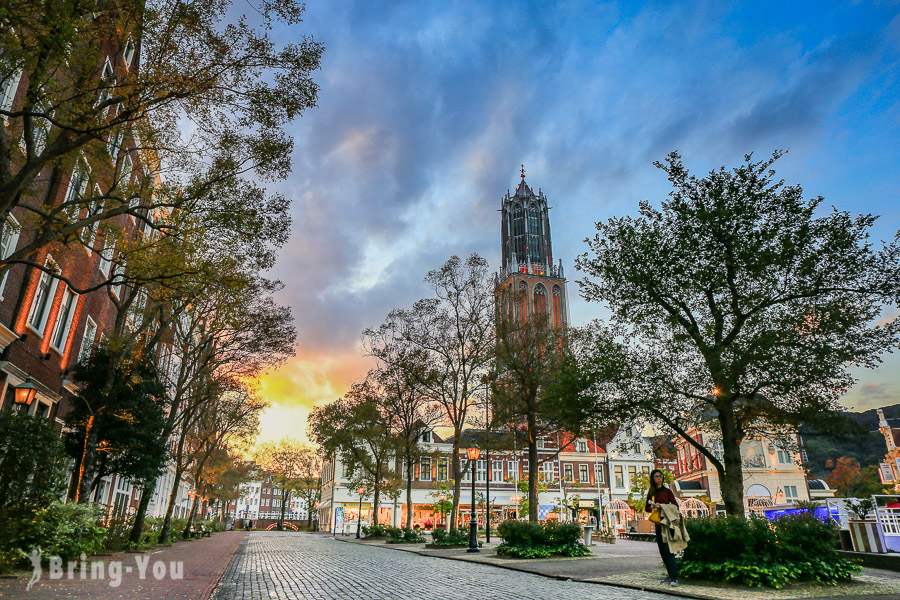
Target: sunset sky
(427, 109)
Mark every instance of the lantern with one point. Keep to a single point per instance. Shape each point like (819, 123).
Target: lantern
(24, 394)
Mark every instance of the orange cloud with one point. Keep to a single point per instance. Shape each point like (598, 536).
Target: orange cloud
(302, 383)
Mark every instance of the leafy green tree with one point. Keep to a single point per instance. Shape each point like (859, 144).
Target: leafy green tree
(116, 418)
(735, 307)
(527, 357)
(296, 468)
(107, 86)
(354, 428)
(32, 473)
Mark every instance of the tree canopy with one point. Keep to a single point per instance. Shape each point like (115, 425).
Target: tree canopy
(737, 306)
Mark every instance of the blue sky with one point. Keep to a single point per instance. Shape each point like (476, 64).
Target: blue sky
(427, 109)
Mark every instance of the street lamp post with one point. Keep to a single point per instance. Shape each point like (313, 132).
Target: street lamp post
(442, 497)
(516, 499)
(473, 523)
(361, 491)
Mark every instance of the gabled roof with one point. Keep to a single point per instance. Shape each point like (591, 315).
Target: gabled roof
(565, 438)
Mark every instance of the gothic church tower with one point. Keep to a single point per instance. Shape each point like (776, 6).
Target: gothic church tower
(527, 259)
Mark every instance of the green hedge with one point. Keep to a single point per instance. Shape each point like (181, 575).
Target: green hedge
(758, 552)
(404, 536)
(65, 530)
(528, 539)
(376, 530)
(454, 537)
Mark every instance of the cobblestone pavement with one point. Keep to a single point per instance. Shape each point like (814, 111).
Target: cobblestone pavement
(202, 563)
(298, 566)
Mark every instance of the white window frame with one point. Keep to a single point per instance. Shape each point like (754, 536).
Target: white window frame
(581, 446)
(59, 337)
(128, 52)
(8, 245)
(89, 233)
(497, 470)
(598, 473)
(547, 470)
(584, 474)
(8, 90)
(118, 269)
(106, 254)
(445, 474)
(480, 470)
(512, 469)
(568, 473)
(619, 472)
(82, 167)
(106, 75)
(425, 469)
(87, 341)
(114, 144)
(46, 302)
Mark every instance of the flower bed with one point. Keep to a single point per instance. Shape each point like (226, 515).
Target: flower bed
(761, 553)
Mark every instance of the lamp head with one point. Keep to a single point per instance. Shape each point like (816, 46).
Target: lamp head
(24, 393)
(473, 453)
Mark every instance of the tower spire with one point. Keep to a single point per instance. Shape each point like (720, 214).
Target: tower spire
(523, 172)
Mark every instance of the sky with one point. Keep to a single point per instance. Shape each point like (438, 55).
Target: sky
(427, 110)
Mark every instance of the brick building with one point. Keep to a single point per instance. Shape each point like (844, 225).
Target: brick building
(46, 324)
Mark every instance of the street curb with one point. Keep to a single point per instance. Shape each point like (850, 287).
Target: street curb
(629, 586)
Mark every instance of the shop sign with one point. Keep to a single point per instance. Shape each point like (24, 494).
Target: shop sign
(886, 473)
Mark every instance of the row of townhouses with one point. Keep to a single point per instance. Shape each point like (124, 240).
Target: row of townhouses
(46, 326)
(581, 478)
(581, 473)
(261, 499)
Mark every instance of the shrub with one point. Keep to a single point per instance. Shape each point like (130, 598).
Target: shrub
(65, 530)
(376, 530)
(404, 536)
(757, 552)
(450, 538)
(528, 539)
(32, 477)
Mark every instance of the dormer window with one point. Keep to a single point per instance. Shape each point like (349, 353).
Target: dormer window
(581, 446)
(426, 437)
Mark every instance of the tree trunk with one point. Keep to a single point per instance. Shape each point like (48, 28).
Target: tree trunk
(190, 519)
(283, 506)
(167, 521)
(409, 476)
(732, 479)
(457, 481)
(532, 469)
(138, 528)
(86, 466)
(376, 496)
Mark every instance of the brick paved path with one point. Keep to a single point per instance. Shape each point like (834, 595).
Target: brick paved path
(203, 560)
(298, 566)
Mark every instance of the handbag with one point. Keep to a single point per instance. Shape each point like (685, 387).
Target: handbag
(654, 516)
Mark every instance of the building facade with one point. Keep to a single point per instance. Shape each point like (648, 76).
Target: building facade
(573, 474)
(773, 472)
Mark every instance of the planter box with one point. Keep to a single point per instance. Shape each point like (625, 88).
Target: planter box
(447, 546)
(606, 539)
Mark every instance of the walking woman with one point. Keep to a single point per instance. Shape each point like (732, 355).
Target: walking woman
(659, 494)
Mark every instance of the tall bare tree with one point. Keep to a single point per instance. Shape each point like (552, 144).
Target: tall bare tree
(454, 331)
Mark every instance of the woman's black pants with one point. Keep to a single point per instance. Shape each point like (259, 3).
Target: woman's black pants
(667, 557)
